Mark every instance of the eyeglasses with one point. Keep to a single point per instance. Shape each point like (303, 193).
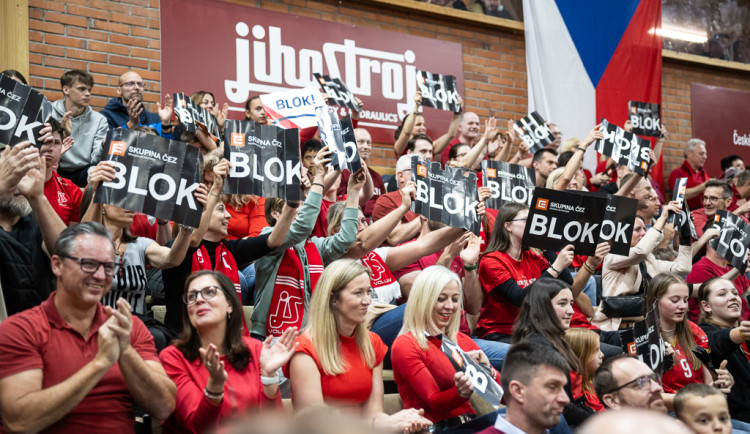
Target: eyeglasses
(710, 199)
(519, 220)
(92, 265)
(207, 293)
(134, 84)
(641, 382)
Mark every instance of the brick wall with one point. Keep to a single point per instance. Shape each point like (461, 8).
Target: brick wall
(106, 37)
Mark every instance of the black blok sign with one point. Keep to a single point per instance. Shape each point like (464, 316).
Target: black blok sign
(448, 196)
(645, 118)
(678, 194)
(23, 112)
(559, 218)
(153, 175)
(265, 160)
(338, 135)
(624, 147)
(734, 238)
(644, 341)
(193, 116)
(439, 91)
(533, 130)
(337, 92)
(481, 376)
(508, 183)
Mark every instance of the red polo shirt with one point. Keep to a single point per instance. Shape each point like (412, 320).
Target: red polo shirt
(65, 197)
(39, 338)
(694, 178)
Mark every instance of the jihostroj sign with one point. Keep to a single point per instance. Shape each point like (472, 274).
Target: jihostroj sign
(153, 175)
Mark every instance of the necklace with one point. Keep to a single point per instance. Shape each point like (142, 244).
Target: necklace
(119, 254)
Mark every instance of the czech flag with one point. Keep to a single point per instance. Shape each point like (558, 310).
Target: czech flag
(587, 58)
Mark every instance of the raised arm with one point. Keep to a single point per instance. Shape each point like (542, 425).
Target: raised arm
(32, 186)
(490, 132)
(441, 142)
(400, 145)
(368, 190)
(577, 159)
(375, 234)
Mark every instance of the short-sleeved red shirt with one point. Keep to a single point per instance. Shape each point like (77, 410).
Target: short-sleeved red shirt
(65, 197)
(682, 373)
(39, 338)
(353, 387)
(694, 178)
(387, 203)
(705, 269)
(498, 314)
(247, 221)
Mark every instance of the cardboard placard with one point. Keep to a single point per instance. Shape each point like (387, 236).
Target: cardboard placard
(533, 130)
(265, 160)
(644, 341)
(337, 92)
(344, 150)
(193, 116)
(645, 118)
(559, 218)
(153, 175)
(678, 194)
(481, 376)
(438, 91)
(508, 183)
(624, 147)
(448, 196)
(23, 112)
(293, 108)
(734, 239)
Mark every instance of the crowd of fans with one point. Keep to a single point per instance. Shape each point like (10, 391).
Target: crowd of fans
(350, 282)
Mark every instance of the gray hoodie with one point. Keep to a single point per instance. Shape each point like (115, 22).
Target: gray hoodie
(89, 131)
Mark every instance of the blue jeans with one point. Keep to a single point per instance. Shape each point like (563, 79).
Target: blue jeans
(387, 327)
(589, 289)
(247, 283)
(739, 426)
(495, 351)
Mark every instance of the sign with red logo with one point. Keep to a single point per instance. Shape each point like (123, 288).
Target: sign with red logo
(542, 204)
(117, 147)
(245, 51)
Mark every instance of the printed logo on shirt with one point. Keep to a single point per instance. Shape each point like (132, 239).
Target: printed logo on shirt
(62, 200)
(542, 204)
(238, 139)
(117, 147)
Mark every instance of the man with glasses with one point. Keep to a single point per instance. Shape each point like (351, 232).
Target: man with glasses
(692, 169)
(72, 364)
(130, 102)
(626, 382)
(87, 127)
(716, 196)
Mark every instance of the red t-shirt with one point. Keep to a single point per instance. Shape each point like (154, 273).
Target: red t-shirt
(321, 223)
(353, 387)
(39, 338)
(444, 156)
(705, 269)
(65, 197)
(694, 178)
(142, 227)
(682, 373)
(498, 314)
(387, 203)
(194, 413)
(425, 378)
(247, 221)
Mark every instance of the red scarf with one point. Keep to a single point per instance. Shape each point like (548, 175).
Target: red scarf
(225, 264)
(380, 275)
(287, 307)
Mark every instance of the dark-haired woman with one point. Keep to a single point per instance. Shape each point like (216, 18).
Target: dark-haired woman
(728, 336)
(508, 267)
(218, 372)
(544, 318)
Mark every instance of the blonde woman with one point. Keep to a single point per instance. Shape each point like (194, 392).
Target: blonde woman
(425, 376)
(338, 362)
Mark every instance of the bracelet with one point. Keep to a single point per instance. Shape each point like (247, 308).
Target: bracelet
(318, 183)
(741, 335)
(588, 268)
(214, 194)
(212, 395)
(554, 269)
(269, 381)
(471, 267)
(187, 229)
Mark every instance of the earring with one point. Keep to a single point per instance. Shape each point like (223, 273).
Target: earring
(229, 316)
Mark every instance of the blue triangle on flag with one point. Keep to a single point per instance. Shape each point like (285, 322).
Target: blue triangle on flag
(596, 27)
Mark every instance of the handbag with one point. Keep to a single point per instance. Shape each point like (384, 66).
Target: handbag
(625, 306)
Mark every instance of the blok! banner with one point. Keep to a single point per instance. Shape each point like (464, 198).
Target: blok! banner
(293, 108)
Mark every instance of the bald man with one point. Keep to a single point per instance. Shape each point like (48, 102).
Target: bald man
(130, 90)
